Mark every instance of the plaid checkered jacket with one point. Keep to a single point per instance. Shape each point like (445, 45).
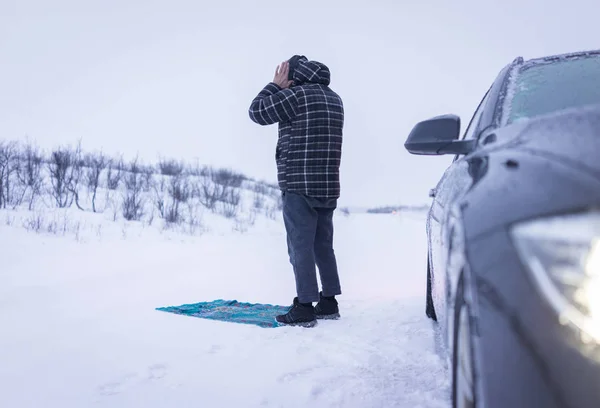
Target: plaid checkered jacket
(311, 119)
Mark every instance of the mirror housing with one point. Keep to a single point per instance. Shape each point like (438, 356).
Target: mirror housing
(438, 136)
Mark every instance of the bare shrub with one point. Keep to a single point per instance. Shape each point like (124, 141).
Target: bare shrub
(133, 200)
(60, 165)
(34, 223)
(242, 225)
(64, 223)
(77, 230)
(258, 203)
(59, 224)
(150, 218)
(77, 174)
(148, 175)
(114, 173)
(160, 189)
(52, 227)
(170, 195)
(271, 212)
(145, 172)
(179, 193)
(229, 203)
(8, 166)
(30, 174)
(261, 188)
(226, 177)
(170, 167)
(194, 221)
(199, 170)
(94, 165)
(115, 212)
(65, 167)
(209, 193)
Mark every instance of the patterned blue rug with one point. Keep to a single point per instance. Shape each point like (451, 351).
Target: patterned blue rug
(262, 315)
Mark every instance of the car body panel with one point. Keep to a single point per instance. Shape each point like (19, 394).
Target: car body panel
(543, 166)
(522, 345)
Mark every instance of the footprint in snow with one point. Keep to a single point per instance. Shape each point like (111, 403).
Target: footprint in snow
(154, 372)
(291, 376)
(116, 387)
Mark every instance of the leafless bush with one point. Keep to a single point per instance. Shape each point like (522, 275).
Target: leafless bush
(170, 167)
(133, 200)
(114, 173)
(30, 174)
(170, 196)
(52, 227)
(34, 223)
(242, 225)
(229, 203)
(199, 170)
(94, 165)
(195, 225)
(63, 226)
(148, 175)
(271, 211)
(226, 177)
(8, 166)
(258, 202)
(65, 173)
(77, 174)
(179, 193)
(59, 224)
(261, 189)
(208, 193)
(160, 189)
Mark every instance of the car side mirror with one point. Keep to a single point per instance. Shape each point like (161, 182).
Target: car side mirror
(438, 136)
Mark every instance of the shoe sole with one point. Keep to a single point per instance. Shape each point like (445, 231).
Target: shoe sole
(300, 324)
(334, 316)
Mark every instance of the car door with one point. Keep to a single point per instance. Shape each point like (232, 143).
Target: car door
(455, 180)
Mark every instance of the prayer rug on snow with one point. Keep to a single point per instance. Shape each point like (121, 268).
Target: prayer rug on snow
(258, 314)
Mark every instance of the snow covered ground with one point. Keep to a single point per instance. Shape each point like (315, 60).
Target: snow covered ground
(79, 327)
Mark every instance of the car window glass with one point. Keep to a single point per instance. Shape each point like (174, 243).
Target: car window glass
(549, 86)
(470, 132)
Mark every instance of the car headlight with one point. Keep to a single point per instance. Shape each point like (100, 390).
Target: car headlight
(563, 255)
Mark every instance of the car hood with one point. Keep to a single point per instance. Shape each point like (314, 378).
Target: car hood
(571, 136)
(537, 168)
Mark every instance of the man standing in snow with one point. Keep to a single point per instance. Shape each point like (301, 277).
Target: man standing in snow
(308, 153)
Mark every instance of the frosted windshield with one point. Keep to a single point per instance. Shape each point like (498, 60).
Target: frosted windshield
(542, 88)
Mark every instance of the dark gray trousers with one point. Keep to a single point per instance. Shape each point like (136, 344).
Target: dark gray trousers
(309, 226)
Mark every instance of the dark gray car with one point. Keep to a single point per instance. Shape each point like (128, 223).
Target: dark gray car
(513, 263)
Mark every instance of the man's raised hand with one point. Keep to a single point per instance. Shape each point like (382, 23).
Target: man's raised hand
(281, 75)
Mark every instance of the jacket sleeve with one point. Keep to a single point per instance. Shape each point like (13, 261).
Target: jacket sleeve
(273, 104)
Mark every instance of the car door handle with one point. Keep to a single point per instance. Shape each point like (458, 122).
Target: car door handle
(432, 192)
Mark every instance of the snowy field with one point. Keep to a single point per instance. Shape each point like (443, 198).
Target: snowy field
(79, 325)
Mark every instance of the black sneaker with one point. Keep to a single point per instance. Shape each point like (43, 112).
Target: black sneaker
(327, 308)
(299, 315)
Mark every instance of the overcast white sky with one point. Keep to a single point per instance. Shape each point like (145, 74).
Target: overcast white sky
(175, 78)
